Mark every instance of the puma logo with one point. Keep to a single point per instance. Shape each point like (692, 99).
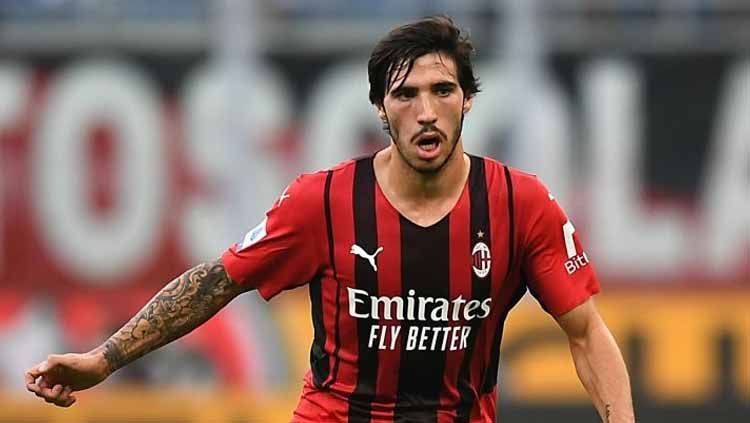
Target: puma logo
(359, 251)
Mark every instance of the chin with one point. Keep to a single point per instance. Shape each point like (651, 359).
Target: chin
(428, 168)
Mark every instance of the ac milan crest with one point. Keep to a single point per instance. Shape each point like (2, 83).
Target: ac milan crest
(482, 260)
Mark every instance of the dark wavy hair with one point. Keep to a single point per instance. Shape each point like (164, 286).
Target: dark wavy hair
(397, 51)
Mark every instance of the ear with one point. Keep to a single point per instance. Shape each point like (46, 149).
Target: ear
(467, 104)
(381, 113)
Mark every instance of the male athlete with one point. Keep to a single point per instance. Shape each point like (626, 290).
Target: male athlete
(413, 256)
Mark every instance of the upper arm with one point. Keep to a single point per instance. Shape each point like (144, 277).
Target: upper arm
(285, 249)
(557, 269)
(578, 322)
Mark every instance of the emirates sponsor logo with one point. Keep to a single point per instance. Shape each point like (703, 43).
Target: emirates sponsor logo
(418, 309)
(419, 338)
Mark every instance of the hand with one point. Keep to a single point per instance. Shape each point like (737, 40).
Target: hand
(56, 378)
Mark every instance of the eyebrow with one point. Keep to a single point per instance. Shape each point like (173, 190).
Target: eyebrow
(408, 89)
(444, 84)
(403, 90)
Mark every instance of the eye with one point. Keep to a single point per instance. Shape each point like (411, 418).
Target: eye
(403, 95)
(443, 91)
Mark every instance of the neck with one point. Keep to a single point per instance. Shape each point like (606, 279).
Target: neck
(398, 178)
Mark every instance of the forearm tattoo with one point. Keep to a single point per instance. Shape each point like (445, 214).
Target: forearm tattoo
(608, 409)
(181, 306)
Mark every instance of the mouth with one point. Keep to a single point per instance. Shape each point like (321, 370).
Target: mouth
(428, 144)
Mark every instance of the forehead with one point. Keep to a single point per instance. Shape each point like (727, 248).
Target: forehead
(427, 69)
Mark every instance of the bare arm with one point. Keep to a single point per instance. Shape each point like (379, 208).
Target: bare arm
(181, 306)
(598, 362)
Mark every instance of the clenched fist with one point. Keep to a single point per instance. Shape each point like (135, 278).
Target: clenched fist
(56, 378)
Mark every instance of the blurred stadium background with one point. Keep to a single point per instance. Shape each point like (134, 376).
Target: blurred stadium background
(138, 137)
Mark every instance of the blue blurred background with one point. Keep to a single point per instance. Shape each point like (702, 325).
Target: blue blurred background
(140, 137)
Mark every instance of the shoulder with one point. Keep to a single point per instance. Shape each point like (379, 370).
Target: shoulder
(490, 165)
(344, 166)
(317, 179)
(305, 187)
(305, 190)
(526, 186)
(493, 171)
(320, 176)
(536, 209)
(311, 186)
(531, 199)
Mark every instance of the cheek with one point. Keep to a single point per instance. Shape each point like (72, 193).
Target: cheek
(452, 115)
(400, 118)
(453, 106)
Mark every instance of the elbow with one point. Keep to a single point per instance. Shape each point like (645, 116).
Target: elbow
(579, 343)
(587, 333)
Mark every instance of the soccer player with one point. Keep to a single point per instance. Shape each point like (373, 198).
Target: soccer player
(413, 257)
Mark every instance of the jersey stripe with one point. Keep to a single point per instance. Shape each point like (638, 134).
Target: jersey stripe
(460, 268)
(389, 280)
(511, 221)
(425, 258)
(337, 314)
(490, 376)
(319, 360)
(344, 375)
(479, 231)
(365, 278)
(319, 364)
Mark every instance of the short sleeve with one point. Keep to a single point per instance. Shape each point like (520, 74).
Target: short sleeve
(558, 270)
(284, 250)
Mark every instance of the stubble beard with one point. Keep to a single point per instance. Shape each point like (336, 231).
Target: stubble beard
(429, 171)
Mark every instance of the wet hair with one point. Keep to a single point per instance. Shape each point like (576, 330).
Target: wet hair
(394, 55)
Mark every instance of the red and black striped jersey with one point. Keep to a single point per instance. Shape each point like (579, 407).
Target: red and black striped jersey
(408, 319)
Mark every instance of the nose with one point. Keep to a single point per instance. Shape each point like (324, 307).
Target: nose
(426, 115)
